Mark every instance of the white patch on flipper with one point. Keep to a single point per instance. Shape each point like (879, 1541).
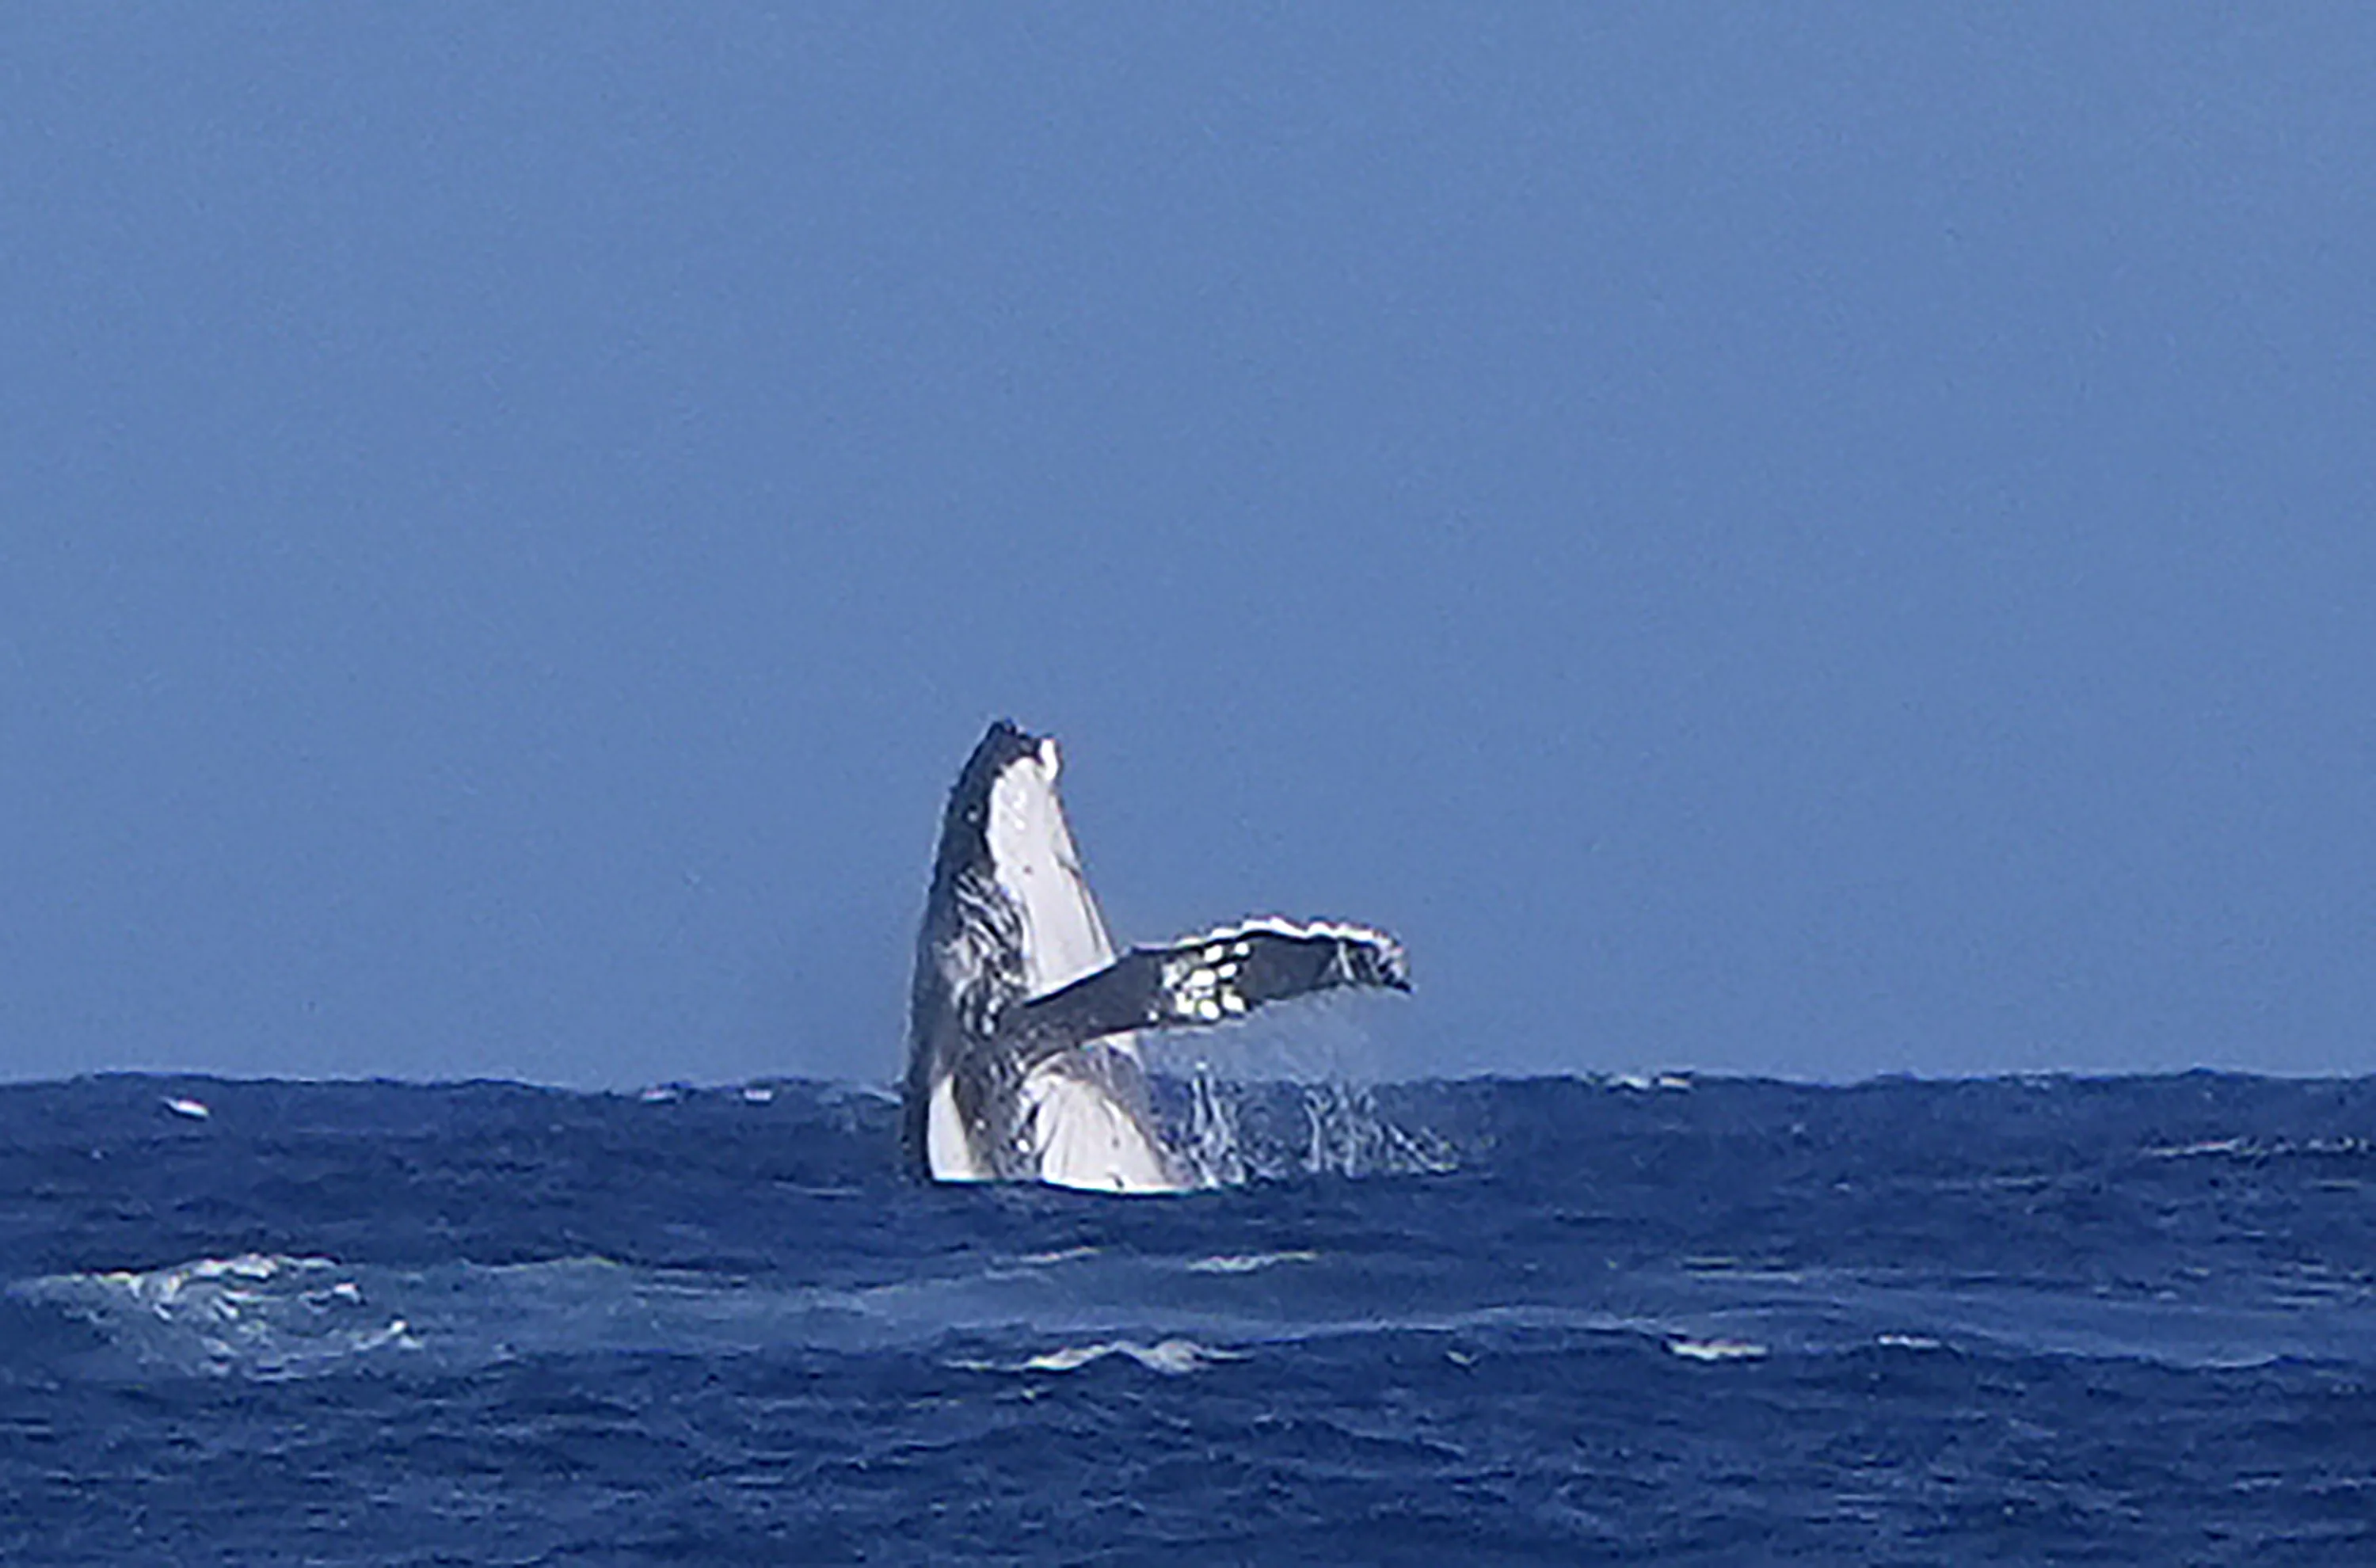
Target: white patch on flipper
(1390, 952)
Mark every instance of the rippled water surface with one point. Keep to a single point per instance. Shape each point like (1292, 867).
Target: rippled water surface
(1549, 1321)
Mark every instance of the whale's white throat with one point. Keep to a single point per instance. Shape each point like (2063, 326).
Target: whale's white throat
(1032, 855)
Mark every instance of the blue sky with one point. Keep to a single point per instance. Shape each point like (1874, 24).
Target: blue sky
(1811, 541)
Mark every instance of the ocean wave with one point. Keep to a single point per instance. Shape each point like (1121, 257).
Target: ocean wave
(1172, 1357)
(276, 1316)
(2251, 1149)
(1247, 1262)
(261, 1315)
(2184, 1222)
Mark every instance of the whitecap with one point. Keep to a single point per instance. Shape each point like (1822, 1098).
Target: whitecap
(260, 1313)
(1713, 1351)
(2201, 1147)
(1172, 1357)
(1247, 1262)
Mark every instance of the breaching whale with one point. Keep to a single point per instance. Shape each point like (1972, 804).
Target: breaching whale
(1023, 1059)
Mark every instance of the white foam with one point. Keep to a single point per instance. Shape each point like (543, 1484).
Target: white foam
(1248, 1262)
(1711, 1350)
(1670, 1081)
(2197, 1150)
(1172, 1357)
(263, 1314)
(2256, 1148)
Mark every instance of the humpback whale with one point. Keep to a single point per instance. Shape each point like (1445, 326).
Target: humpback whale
(1023, 1061)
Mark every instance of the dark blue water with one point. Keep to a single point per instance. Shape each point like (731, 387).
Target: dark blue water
(2046, 1321)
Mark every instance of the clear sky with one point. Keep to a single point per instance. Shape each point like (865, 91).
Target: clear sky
(1803, 539)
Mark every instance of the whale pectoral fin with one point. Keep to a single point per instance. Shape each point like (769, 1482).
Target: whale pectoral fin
(1262, 965)
(1125, 994)
(1210, 979)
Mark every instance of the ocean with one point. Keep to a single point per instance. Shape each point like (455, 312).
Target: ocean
(1675, 1321)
